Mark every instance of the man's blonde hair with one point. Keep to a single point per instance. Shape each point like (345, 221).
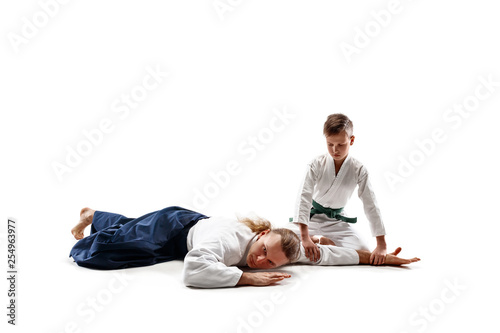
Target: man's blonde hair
(290, 242)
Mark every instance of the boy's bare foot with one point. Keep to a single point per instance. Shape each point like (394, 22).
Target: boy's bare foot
(86, 217)
(392, 259)
(322, 240)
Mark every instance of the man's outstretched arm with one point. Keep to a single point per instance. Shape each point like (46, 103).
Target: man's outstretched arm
(261, 278)
(391, 258)
(364, 256)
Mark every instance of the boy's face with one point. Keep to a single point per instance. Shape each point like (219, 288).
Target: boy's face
(338, 145)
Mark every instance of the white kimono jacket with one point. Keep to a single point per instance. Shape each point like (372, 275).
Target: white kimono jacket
(217, 244)
(334, 191)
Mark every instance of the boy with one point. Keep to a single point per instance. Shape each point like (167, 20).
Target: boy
(329, 183)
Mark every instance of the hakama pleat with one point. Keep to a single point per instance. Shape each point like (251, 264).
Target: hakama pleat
(119, 242)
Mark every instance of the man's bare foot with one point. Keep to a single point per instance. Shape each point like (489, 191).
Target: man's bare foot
(322, 240)
(86, 217)
(392, 259)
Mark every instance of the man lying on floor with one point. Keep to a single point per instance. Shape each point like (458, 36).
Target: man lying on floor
(212, 247)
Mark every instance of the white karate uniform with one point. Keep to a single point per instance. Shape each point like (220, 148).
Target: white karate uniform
(217, 244)
(330, 256)
(332, 190)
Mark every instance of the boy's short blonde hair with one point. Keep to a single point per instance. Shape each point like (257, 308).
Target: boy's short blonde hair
(336, 123)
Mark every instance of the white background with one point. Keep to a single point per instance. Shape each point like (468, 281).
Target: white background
(229, 72)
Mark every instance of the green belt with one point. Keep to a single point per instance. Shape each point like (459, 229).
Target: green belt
(331, 213)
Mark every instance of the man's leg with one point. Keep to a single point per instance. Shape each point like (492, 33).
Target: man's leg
(98, 220)
(120, 242)
(86, 217)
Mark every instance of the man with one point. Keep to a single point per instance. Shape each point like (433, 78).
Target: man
(212, 247)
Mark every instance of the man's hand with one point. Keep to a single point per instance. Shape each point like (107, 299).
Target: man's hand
(312, 250)
(378, 256)
(261, 278)
(391, 258)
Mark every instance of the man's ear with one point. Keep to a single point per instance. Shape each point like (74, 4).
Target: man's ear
(352, 140)
(265, 232)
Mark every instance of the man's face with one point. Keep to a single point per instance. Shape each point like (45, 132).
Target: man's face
(338, 145)
(266, 252)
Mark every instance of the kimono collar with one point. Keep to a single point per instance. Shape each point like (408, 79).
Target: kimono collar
(243, 261)
(331, 165)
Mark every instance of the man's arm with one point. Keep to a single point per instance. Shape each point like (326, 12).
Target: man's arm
(390, 259)
(332, 255)
(204, 268)
(261, 278)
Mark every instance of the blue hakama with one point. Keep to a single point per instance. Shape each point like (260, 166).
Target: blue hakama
(116, 241)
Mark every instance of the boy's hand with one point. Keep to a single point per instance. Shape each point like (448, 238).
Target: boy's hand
(378, 256)
(312, 250)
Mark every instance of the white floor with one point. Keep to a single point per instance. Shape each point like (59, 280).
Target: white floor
(89, 117)
(447, 290)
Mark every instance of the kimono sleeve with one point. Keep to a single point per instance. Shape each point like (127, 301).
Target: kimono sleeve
(305, 196)
(204, 267)
(370, 206)
(331, 256)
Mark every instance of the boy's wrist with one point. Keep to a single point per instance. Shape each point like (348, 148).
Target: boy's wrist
(304, 231)
(381, 242)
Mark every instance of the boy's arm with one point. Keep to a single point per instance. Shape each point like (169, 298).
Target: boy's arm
(370, 206)
(372, 212)
(311, 249)
(305, 196)
(303, 209)
(378, 255)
